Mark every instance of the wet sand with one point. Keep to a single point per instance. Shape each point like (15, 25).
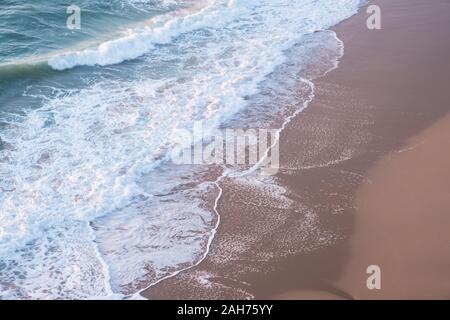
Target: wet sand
(360, 190)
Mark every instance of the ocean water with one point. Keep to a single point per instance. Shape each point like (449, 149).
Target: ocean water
(90, 205)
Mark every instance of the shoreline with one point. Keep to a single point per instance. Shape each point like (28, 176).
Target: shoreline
(362, 111)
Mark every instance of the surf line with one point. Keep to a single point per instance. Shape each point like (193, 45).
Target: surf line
(138, 295)
(225, 174)
(261, 162)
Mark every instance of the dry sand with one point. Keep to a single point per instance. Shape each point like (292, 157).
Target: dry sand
(347, 162)
(402, 222)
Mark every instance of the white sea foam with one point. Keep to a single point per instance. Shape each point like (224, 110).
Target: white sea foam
(215, 14)
(162, 31)
(80, 196)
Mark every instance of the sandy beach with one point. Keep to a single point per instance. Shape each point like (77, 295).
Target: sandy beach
(365, 172)
(402, 214)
